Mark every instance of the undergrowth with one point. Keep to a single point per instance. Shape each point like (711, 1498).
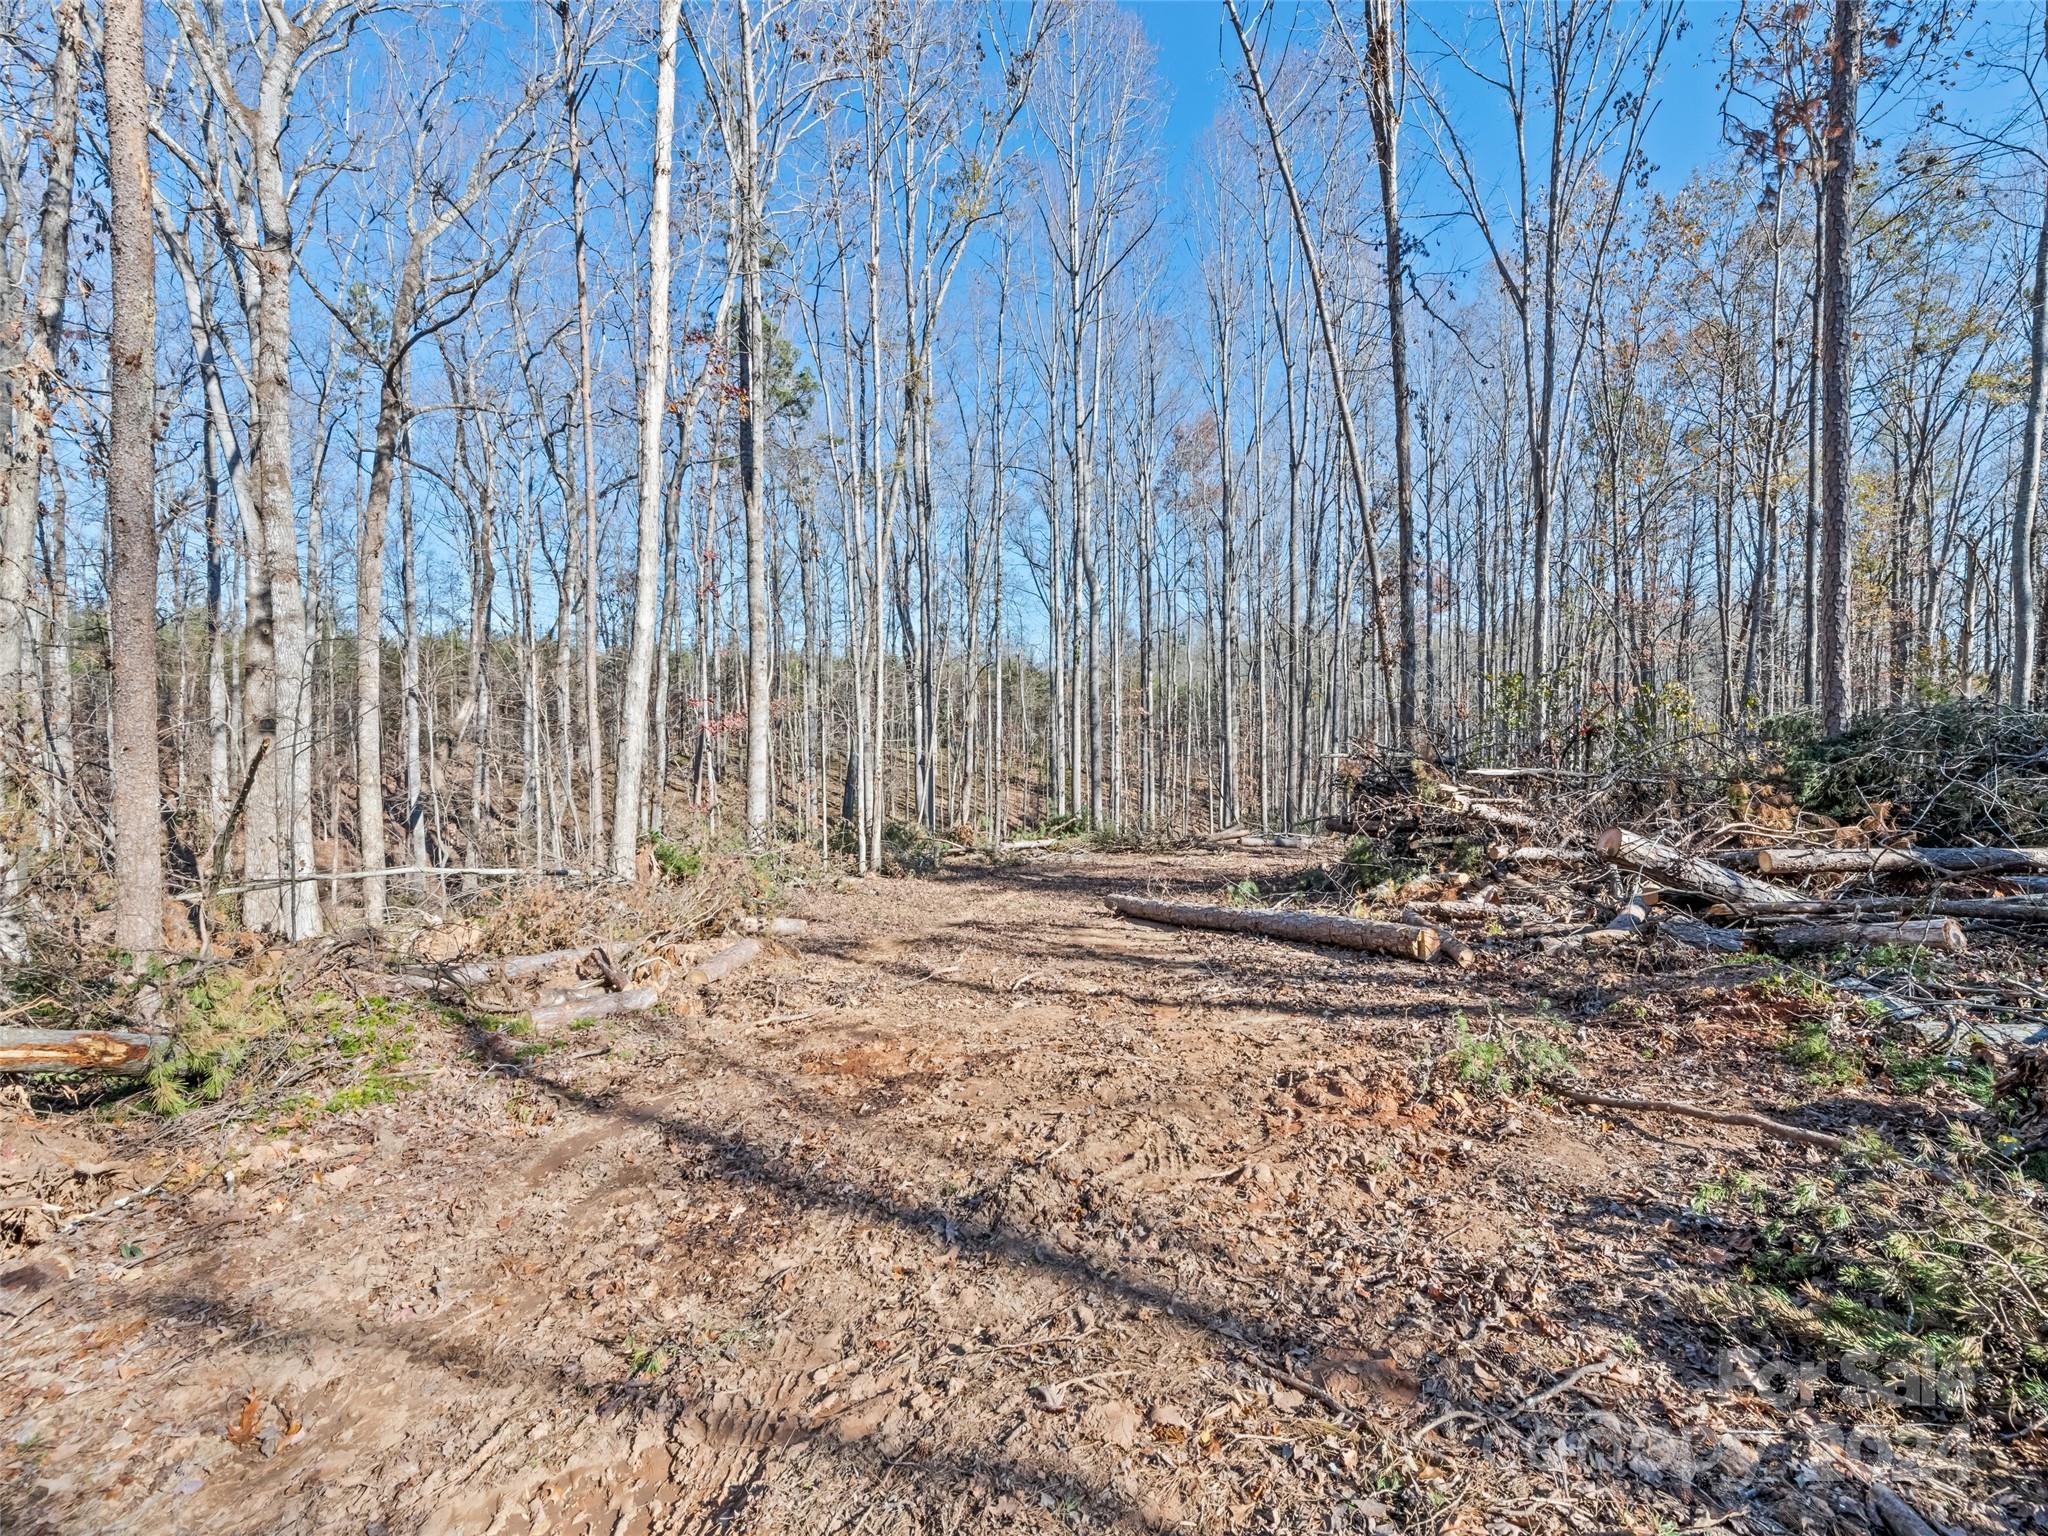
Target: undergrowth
(215, 1023)
(1951, 772)
(1911, 1068)
(908, 849)
(1810, 1047)
(1929, 1280)
(1502, 1058)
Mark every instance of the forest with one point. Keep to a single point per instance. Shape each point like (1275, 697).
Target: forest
(618, 584)
(857, 434)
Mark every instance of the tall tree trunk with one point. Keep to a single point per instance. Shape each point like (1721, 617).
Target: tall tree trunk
(633, 735)
(1383, 99)
(369, 638)
(1809, 576)
(28, 403)
(412, 713)
(753, 425)
(1845, 66)
(219, 791)
(2026, 616)
(593, 720)
(131, 491)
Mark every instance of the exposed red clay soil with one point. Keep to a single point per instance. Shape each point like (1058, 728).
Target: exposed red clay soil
(973, 1209)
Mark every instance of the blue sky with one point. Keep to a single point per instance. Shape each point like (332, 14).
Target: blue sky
(1198, 59)
(1198, 56)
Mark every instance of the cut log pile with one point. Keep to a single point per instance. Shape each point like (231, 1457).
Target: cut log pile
(598, 981)
(1533, 870)
(1789, 894)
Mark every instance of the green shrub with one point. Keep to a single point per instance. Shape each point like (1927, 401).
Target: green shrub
(1503, 1060)
(1934, 1282)
(215, 1023)
(676, 862)
(1950, 772)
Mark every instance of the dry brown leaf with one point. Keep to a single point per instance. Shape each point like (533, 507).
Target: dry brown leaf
(244, 1432)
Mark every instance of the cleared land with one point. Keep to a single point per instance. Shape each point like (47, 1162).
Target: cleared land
(973, 1208)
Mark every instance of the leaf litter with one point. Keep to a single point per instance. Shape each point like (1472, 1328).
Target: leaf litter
(1216, 1234)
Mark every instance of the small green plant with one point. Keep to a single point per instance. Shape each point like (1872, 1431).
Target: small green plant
(1915, 1071)
(1809, 1047)
(1788, 986)
(648, 1361)
(215, 1022)
(372, 1090)
(1910, 959)
(1468, 856)
(1244, 893)
(1926, 1280)
(907, 849)
(1503, 1060)
(376, 1040)
(676, 862)
(1369, 863)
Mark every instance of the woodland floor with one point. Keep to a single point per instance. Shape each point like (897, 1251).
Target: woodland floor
(973, 1209)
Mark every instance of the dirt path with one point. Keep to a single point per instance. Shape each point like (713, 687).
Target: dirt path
(981, 1211)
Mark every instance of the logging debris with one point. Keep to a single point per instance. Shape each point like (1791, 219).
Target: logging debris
(1489, 866)
(123, 1052)
(1409, 940)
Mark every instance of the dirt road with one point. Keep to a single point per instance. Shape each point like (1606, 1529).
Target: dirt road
(978, 1210)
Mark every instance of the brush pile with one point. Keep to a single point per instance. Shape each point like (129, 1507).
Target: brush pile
(1744, 868)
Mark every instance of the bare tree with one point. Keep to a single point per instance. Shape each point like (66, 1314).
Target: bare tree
(633, 725)
(1845, 66)
(131, 490)
(1383, 75)
(1581, 70)
(759, 101)
(1326, 330)
(31, 370)
(239, 173)
(425, 299)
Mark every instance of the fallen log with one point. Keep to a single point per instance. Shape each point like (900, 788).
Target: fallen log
(1762, 1123)
(1480, 809)
(715, 967)
(1404, 939)
(1834, 861)
(1744, 859)
(1916, 933)
(1669, 867)
(2014, 909)
(554, 997)
(1939, 861)
(1694, 934)
(1627, 924)
(1450, 949)
(1567, 857)
(1471, 910)
(123, 1052)
(477, 972)
(774, 927)
(599, 1005)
